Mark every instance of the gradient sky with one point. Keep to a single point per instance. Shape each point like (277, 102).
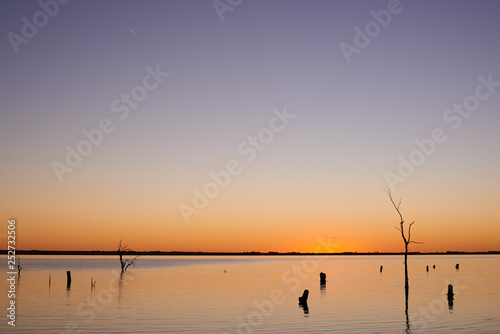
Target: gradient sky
(321, 177)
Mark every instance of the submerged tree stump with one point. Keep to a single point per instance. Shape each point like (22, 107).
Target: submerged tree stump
(68, 279)
(322, 278)
(303, 299)
(450, 296)
(19, 268)
(450, 291)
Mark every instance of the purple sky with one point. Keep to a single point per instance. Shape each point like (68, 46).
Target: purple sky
(352, 121)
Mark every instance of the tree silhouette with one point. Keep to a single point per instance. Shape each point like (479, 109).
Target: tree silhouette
(19, 267)
(406, 237)
(121, 249)
(407, 240)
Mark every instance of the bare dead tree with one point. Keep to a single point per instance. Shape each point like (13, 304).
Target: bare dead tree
(121, 249)
(19, 267)
(406, 237)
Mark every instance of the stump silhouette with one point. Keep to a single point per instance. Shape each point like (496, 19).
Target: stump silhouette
(303, 299)
(68, 279)
(450, 291)
(322, 278)
(450, 295)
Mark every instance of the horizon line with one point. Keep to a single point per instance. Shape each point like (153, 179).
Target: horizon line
(156, 252)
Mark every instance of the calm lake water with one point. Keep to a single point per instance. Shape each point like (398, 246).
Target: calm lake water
(245, 294)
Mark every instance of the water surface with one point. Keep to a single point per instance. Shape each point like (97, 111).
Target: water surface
(255, 294)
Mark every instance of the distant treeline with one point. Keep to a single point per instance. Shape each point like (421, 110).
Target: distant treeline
(97, 252)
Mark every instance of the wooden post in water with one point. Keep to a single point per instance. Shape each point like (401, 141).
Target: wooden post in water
(427, 269)
(322, 278)
(303, 299)
(457, 266)
(381, 268)
(434, 266)
(450, 291)
(49, 281)
(450, 296)
(68, 279)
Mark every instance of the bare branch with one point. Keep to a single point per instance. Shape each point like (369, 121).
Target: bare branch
(394, 204)
(125, 263)
(130, 262)
(409, 231)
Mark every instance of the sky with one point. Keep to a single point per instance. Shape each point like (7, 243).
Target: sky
(250, 125)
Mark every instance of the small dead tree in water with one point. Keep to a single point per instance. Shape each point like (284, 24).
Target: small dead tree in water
(19, 267)
(406, 237)
(121, 249)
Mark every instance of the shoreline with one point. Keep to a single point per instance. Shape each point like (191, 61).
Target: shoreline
(160, 253)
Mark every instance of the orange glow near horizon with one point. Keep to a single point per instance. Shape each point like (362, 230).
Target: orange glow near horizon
(347, 232)
(245, 218)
